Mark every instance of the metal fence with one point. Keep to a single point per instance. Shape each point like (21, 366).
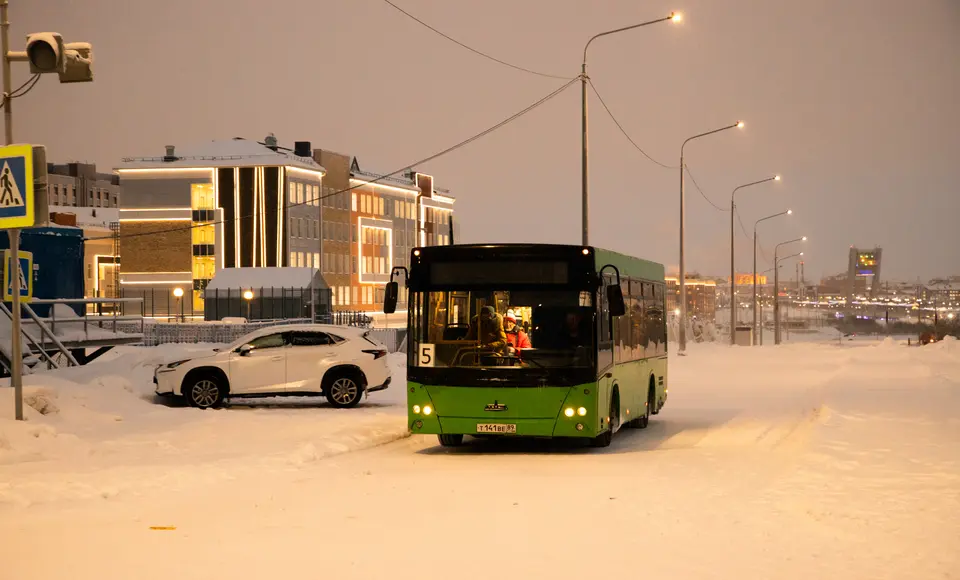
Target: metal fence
(155, 333)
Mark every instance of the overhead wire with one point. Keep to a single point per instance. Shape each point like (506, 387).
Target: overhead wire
(309, 201)
(697, 187)
(473, 50)
(624, 131)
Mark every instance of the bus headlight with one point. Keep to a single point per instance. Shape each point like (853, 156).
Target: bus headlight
(568, 411)
(416, 409)
(427, 410)
(582, 411)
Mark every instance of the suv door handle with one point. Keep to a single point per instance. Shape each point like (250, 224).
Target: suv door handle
(276, 358)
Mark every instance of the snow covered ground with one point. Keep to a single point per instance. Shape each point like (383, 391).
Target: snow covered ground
(100, 431)
(803, 461)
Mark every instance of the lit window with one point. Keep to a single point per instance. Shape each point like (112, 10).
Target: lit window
(293, 259)
(353, 197)
(381, 206)
(293, 192)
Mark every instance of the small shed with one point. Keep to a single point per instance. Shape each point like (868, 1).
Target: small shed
(267, 294)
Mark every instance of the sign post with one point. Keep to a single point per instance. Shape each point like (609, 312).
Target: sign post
(16, 211)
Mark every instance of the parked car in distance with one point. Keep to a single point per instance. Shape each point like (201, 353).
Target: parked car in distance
(338, 362)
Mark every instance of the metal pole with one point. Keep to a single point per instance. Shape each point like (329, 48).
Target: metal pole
(16, 346)
(584, 169)
(733, 281)
(754, 286)
(682, 281)
(776, 299)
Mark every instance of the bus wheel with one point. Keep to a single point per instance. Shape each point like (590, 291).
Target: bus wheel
(643, 421)
(450, 440)
(604, 439)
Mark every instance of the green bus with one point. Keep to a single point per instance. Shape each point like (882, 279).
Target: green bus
(596, 355)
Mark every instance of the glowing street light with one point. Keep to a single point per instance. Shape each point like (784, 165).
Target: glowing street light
(683, 203)
(178, 292)
(733, 272)
(584, 171)
(776, 285)
(248, 296)
(758, 330)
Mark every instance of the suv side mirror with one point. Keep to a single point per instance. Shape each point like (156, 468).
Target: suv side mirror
(615, 300)
(390, 294)
(245, 349)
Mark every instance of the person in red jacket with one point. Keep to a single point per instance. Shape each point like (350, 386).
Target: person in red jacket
(516, 337)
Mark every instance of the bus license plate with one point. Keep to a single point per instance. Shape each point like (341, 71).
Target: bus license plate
(496, 428)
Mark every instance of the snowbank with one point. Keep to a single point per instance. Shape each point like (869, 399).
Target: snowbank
(99, 430)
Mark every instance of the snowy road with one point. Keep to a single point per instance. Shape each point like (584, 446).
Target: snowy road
(807, 462)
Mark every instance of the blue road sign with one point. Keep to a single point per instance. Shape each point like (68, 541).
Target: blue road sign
(26, 276)
(16, 186)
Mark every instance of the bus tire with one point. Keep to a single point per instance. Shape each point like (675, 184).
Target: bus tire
(450, 439)
(604, 439)
(643, 421)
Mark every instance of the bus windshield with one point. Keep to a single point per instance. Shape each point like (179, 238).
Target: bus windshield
(504, 329)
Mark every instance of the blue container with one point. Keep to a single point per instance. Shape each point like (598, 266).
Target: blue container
(57, 263)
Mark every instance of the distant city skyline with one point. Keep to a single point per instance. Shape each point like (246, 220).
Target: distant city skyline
(852, 102)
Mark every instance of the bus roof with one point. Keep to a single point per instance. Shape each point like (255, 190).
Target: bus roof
(628, 265)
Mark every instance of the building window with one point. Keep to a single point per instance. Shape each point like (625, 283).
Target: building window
(381, 206)
(293, 259)
(353, 263)
(383, 265)
(353, 197)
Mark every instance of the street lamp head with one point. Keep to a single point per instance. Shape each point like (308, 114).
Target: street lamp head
(776, 178)
(789, 212)
(676, 16)
(801, 253)
(739, 124)
(248, 295)
(804, 238)
(178, 292)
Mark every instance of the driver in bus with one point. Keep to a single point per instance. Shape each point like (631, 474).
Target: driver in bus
(488, 329)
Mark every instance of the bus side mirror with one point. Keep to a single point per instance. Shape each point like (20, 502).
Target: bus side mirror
(390, 294)
(615, 300)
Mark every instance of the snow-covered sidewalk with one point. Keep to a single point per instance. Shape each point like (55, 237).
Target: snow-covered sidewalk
(100, 431)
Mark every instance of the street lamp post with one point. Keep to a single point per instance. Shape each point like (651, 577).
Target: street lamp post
(683, 202)
(733, 272)
(776, 287)
(584, 171)
(755, 328)
(178, 292)
(248, 296)
(776, 305)
(46, 53)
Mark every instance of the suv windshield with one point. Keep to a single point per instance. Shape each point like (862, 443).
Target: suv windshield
(504, 329)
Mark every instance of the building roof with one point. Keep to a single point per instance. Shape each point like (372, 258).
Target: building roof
(257, 278)
(236, 152)
(403, 179)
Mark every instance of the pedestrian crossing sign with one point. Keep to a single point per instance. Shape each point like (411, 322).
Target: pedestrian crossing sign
(26, 276)
(16, 186)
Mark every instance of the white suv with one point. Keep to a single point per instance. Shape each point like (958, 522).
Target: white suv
(340, 363)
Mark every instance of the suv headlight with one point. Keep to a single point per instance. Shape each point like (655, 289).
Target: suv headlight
(174, 365)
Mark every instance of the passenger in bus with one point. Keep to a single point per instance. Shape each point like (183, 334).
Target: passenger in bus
(489, 329)
(516, 337)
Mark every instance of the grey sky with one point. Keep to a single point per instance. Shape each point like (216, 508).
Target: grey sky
(854, 102)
